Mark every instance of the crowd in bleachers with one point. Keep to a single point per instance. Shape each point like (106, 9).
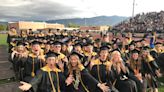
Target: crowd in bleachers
(153, 21)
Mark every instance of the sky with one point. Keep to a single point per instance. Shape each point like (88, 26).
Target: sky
(20, 10)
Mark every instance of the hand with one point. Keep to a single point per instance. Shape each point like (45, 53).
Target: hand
(61, 65)
(103, 87)
(69, 80)
(65, 59)
(25, 86)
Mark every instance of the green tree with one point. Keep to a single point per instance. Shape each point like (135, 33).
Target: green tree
(73, 25)
(3, 27)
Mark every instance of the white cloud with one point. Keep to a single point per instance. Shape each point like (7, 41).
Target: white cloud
(57, 9)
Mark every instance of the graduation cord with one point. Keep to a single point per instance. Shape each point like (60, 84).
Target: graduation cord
(58, 81)
(83, 84)
(52, 84)
(32, 73)
(98, 72)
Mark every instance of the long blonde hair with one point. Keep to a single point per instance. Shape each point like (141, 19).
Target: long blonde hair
(70, 67)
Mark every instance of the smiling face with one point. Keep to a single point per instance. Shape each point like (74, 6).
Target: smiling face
(135, 56)
(116, 56)
(57, 48)
(20, 48)
(74, 60)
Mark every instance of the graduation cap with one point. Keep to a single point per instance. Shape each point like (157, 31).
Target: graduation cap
(57, 43)
(104, 48)
(78, 54)
(51, 54)
(77, 44)
(157, 43)
(97, 40)
(146, 48)
(135, 51)
(35, 43)
(88, 44)
(20, 43)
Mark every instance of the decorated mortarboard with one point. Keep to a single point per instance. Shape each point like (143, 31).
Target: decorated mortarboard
(78, 54)
(51, 54)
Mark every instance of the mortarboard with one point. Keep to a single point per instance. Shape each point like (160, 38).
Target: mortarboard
(78, 54)
(36, 43)
(57, 43)
(51, 54)
(135, 51)
(104, 48)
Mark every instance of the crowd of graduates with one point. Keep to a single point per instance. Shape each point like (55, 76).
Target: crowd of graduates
(61, 61)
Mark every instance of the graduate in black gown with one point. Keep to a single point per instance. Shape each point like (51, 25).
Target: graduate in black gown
(100, 68)
(18, 58)
(121, 80)
(34, 62)
(150, 69)
(88, 54)
(79, 79)
(135, 70)
(48, 79)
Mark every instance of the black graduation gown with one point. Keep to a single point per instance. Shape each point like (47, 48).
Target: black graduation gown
(86, 81)
(18, 65)
(140, 85)
(150, 67)
(29, 67)
(41, 82)
(126, 85)
(105, 75)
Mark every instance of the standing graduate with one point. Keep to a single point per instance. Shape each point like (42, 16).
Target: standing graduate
(34, 62)
(18, 58)
(79, 79)
(48, 79)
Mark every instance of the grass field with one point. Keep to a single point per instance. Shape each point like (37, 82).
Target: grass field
(3, 38)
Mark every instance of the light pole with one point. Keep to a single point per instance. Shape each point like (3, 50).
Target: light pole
(133, 8)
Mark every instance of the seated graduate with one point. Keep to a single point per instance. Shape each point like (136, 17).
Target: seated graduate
(150, 70)
(135, 70)
(88, 53)
(100, 68)
(48, 79)
(120, 74)
(34, 62)
(79, 79)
